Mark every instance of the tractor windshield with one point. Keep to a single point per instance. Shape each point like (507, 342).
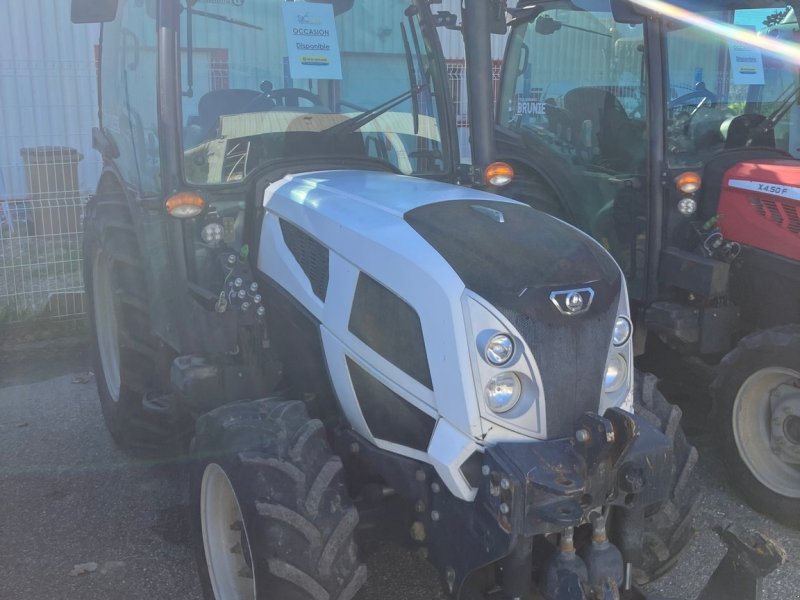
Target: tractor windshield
(726, 93)
(269, 80)
(574, 92)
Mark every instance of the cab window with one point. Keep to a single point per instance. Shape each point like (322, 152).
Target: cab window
(574, 90)
(129, 112)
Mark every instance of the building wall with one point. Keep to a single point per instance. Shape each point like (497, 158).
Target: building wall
(48, 90)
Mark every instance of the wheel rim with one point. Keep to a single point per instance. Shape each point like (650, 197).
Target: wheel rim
(105, 320)
(752, 415)
(224, 541)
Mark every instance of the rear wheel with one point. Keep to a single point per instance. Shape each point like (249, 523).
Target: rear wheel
(123, 350)
(668, 525)
(531, 188)
(271, 517)
(757, 404)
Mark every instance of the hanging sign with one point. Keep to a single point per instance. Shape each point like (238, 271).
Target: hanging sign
(313, 45)
(747, 64)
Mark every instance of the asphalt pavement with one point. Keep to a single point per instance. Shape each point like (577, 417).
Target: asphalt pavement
(82, 520)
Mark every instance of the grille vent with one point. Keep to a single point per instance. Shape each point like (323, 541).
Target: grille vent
(783, 214)
(312, 256)
(389, 416)
(388, 325)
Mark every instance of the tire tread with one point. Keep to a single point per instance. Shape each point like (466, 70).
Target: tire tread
(668, 529)
(281, 467)
(776, 346)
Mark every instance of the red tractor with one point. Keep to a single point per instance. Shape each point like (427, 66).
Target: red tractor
(671, 134)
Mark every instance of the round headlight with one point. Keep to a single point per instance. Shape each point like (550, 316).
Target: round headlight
(622, 331)
(211, 233)
(503, 392)
(499, 350)
(687, 206)
(616, 373)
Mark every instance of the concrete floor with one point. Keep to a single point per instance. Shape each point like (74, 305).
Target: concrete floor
(70, 497)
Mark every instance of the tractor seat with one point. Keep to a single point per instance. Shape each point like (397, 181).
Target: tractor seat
(211, 107)
(612, 131)
(740, 128)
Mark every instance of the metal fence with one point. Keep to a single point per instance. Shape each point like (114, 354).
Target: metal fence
(43, 188)
(457, 80)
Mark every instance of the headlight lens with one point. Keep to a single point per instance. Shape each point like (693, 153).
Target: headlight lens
(503, 392)
(211, 233)
(616, 373)
(499, 350)
(687, 206)
(622, 331)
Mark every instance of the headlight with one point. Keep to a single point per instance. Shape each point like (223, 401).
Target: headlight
(212, 233)
(622, 331)
(616, 373)
(499, 350)
(502, 392)
(687, 206)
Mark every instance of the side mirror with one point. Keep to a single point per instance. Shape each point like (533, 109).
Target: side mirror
(497, 17)
(93, 11)
(546, 25)
(625, 12)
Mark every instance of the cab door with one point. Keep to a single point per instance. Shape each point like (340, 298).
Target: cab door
(571, 116)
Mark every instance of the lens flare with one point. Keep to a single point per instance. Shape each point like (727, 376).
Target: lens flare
(787, 50)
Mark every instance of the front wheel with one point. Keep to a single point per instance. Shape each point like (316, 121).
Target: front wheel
(271, 518)
(757, 404)
(668, 525)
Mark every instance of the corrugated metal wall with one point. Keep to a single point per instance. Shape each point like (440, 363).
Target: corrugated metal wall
(453, 49)
(47, 100)
(453, 43)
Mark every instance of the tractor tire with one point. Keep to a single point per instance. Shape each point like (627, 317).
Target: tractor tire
(123, 350)
(668, 525)
(271, 518)
(757, 408)
(530, 188)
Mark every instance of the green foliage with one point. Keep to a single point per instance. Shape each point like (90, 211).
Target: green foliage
(776, 17)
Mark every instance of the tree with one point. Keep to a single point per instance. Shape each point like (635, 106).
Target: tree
(776, 17)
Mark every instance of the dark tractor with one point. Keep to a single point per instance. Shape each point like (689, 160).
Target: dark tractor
(282, 275)
(675, 144)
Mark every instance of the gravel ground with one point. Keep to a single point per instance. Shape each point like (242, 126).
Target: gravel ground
(83, 520)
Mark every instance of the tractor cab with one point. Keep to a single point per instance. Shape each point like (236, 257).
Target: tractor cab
(204, 104)
(611, 106)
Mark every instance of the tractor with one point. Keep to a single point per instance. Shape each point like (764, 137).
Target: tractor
(285, 282)
(670, 132)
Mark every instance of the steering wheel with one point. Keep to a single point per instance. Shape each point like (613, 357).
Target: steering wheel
(699, 94)
(270, 98)
(286, 97)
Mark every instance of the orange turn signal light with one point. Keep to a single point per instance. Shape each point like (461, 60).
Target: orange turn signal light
(498, 174)
(185, 205)
(688, 182)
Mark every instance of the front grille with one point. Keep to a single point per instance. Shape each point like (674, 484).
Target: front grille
(571, 355)
(311, 256)
(782, 214)
(391, 327)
